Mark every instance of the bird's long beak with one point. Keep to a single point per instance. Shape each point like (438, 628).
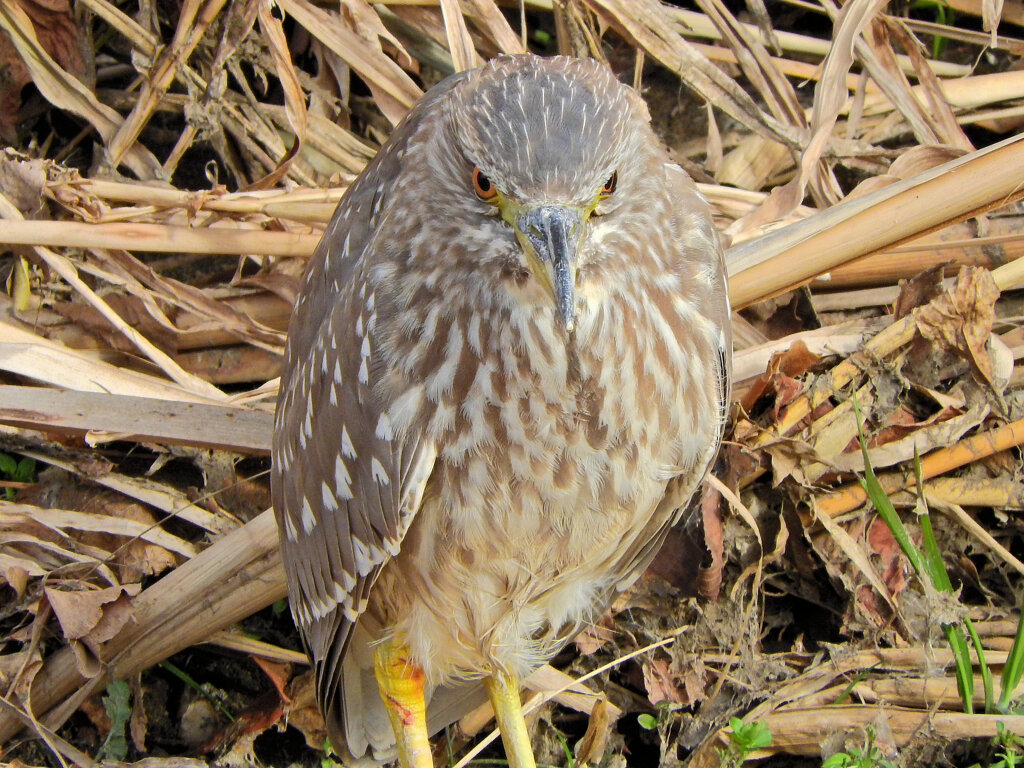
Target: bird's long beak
(550, 236)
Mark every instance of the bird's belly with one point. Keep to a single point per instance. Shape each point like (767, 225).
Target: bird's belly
(499, 571)
(550, 470)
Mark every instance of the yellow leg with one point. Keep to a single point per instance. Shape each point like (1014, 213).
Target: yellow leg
(401, 687)
(508, 711)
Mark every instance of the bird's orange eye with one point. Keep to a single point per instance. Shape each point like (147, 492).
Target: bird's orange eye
(608, 188)
(483, 187)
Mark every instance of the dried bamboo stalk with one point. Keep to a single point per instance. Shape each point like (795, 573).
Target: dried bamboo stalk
(801, 731)
(849, 497)
(223, 427)
(157, 237)
(773, 263)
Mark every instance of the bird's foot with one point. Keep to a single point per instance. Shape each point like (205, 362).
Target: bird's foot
(400, 681)
(503, 691)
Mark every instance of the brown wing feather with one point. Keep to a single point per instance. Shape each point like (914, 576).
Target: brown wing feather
(344, 488)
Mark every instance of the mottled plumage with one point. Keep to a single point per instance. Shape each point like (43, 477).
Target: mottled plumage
(454, 464)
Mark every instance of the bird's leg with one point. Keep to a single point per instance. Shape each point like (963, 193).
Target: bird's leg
(503, 691)
(400, 681)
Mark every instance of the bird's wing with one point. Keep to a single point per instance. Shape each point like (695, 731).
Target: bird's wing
(345, 488)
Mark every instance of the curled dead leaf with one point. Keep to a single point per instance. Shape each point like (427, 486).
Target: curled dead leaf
(89, 618)
(660, 683)
(79, 612)
(961, 319)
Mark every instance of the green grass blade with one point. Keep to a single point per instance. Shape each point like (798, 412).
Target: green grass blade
(986, 673)
(933, 564)
(964, 671)
(881, 502)
(927, 566)
(936, 571)
(1014, 666)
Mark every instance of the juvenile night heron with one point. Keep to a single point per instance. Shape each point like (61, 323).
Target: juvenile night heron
(507, 372)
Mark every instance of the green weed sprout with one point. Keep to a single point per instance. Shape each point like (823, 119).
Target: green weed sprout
(744, 738)
(869, 757)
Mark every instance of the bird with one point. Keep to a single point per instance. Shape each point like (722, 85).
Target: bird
(507, 371)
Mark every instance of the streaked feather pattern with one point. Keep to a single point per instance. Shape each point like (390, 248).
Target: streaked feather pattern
(452, 466)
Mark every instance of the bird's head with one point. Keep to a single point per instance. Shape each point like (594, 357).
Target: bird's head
(547, 148)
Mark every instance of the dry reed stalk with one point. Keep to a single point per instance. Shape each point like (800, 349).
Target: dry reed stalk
(66, 269)
(236, 641)
(850, 496)
(1012, 10)
(995, 492)
(962, 93)
(801, 731)
(193, 22)
(394, 91)
(248, 202)
(699, 25)
(1003, 245)
(27, 354)
(647, 25)
(790, 67)
(839, 301)
(169, 500)
(460, 44)
(978, 532)
(791, 256)
(157, 238)
(63, 520)
(220, 427)
(235, 577)
(66, 92)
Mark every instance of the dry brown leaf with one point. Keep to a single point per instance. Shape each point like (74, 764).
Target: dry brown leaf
(595, 636)
(139, 722)
(301, 710)
(780, 379)
(590, 748)
(56, 32)
(17, 578)
(91, 618)
(91, 614)
(883, 544)
(961, 319)
(660, 683)
(918, 291)
(22, 178)
(277, 672)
